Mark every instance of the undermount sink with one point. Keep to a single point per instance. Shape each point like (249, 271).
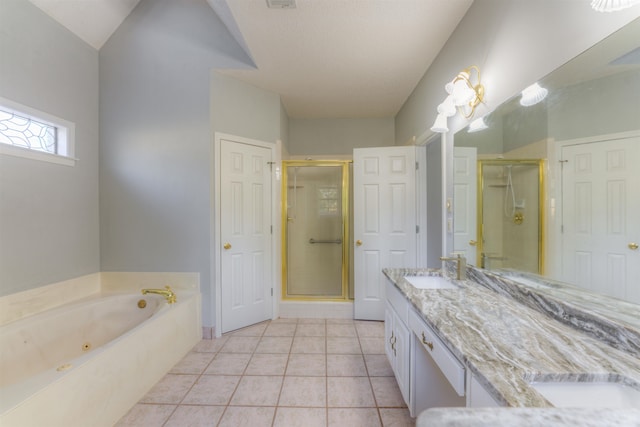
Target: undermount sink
(589, 394)
(430, 282)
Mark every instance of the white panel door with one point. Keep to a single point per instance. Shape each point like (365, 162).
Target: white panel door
(600, 205)
(384, 222)
(245, 227)
(465, 188)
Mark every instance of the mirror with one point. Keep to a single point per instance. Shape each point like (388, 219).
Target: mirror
(587, 131)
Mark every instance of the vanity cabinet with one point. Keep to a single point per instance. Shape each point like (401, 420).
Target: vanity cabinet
(477, 395)
(438, 377)
(397, 338)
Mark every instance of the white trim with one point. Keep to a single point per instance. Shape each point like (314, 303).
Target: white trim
(216, 273)
(66, 135)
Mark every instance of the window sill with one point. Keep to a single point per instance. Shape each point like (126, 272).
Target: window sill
(13, 150)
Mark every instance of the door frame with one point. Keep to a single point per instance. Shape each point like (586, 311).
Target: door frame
(216, 210)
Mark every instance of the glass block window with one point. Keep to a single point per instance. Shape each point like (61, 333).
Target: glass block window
(16, 129)
(27, 132)
(328, 201)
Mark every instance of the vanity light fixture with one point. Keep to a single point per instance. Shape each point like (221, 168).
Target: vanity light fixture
(465, 93)
(477, 125)
(612, 5)
(532, 95)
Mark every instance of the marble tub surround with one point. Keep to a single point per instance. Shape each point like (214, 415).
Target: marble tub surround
(526, 417)
(505, 344)
(607, 319)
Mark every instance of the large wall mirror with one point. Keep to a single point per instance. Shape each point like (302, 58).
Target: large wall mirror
(553, 188)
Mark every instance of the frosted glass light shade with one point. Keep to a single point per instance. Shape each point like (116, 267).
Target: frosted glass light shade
(447, 108)
(532, 95)
(440, 125)
(477, 125)
(612, 5)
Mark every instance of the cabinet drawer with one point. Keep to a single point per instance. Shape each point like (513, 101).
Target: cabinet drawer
(450, 366)
(398, 302)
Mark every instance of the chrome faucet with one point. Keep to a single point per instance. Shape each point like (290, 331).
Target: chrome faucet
(461, 266)
(167, 293)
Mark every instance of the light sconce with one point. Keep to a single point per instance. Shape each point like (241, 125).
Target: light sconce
(612, 5)
(463, 95)
(477, 125)
(532, 95)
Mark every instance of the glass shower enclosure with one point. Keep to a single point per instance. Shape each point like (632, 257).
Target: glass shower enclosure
(316, 230)
(510, 214)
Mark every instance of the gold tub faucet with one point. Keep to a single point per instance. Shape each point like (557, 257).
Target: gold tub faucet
(167, 293)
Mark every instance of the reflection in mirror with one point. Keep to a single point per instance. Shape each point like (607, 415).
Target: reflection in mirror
(587, 131)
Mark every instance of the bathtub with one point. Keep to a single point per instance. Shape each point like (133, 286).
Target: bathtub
(87, 362)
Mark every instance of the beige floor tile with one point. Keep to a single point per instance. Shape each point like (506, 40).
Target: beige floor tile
(307, 365)
(250, 331)
(343, 345)
(378, 365)
(280, 330)
(170, 389)
(372, 345)
(387, 392)
(146, 415)
(311, 330)
(300, 417)
(341, 330)
(193, 363)
(247, 416)
(304, 392)
(195, 416)
(274, 345)
(370, 329)
(353, 417)
(345, 365)
(267, 364)
(210, 346)
(349, 392)
(240, 344)
(228, 364)
(212, 390)
(392, 417)
(307, 321)
(257, 391)
(340, 322)
(284, 320)
(309, 345)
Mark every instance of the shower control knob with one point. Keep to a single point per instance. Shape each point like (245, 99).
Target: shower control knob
(227, 246)
(358, 242)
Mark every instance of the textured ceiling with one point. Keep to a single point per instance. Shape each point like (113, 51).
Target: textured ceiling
(326, 58)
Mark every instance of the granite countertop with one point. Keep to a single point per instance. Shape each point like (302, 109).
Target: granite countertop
(507, 345)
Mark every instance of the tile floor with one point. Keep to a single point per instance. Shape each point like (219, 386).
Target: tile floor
(285, 372)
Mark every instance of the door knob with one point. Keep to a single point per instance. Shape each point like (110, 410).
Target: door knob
(358, 242)
(633, 246)
(472, 242)
(227, 246)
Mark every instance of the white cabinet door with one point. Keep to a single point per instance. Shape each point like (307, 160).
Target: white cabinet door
(478, 396)
(384, 222)
(397, 339)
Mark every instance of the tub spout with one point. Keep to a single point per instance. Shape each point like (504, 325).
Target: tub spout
(167, 293)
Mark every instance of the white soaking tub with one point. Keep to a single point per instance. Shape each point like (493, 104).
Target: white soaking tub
(86, 363)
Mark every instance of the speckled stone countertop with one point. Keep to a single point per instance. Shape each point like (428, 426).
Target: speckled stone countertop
(507, 345)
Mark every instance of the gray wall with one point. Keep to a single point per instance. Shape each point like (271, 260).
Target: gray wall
(156, 135)
(338, 136)
(48, 212)
(515, 43)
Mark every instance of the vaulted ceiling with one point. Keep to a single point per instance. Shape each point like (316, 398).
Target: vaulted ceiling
(326, 58)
